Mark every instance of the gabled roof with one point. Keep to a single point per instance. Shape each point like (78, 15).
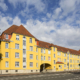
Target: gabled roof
(22, 30)
(11, 29)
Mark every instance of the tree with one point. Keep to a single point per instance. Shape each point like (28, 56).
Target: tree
(0, 57)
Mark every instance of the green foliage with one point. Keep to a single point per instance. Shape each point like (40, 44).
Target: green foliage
(0, 56)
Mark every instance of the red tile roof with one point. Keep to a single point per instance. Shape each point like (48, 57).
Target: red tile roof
(22, 30)
(44, 44)
(59, 62)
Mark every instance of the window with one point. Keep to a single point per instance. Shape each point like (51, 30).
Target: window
(6, 55)
(36, 57)
(70, 61)
(16, 64)
(44, 50)
(24, 43)
(54, 62)
(49, 52)
(41, 57)
(31, 56)
(30, 40)
(54, 48)
(64, 55)
(36, 64)
(49, 58)
(31, 48)
(31, 64)
(24, 37)
(24, 66)
(24, 59)
(73, 61)
(59, 53)
(6, 45)
(70, 65)
(64, 65)
(77, 61)
(17, 46)
(44, 57)
(17, 37)
(16, 55)
(54, 55)
(54, 67)
(64, 60)
(7, 64)
(36, 49)
(59, 59)
(6, 36)
(41, 50)
(71, 55)
(24, 51)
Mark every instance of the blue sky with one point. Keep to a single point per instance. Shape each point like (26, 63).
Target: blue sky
(54, 21)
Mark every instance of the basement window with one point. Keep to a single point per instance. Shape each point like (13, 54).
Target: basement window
(16, 70)
(6, 70)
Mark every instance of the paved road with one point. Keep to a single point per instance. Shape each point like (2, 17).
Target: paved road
(57, 76)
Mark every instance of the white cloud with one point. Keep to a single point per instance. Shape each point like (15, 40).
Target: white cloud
(65, 35)
(3, 6)
(37, 4)
(67, 6)
(48, 15)
(16, 21)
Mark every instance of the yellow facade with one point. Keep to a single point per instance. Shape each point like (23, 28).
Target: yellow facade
(38, 63)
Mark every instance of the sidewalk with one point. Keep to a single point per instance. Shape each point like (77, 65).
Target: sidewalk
(27, 74)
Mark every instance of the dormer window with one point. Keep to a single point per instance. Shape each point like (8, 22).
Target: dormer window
(6, 36)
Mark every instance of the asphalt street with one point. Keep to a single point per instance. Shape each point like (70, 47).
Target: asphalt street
(57, 76)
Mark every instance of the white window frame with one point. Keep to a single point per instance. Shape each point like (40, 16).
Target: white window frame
(36, 49)
(31, 48)
(49, 58)
(31, 56)
(54, 62)
(44, 50)
(24, 51)
(54, 55)
(24, 59)
(17, 37)
(64, 65)
(59, 53)
(36, 64)
(16, 55)
(30, 40)
(24, 42)
(6, 45)
(41, 50)
(31, 64)
(64, 60)
(16, 46)
(36, 57)
(41, 57)
(49, 52)
(44, 58)
(54, 49)
(16, 64)
(6, 64)
(6, 36)
(7, 53)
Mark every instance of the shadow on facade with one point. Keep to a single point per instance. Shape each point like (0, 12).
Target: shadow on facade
(45, 66)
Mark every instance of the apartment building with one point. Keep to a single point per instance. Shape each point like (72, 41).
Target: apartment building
(23, 53)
